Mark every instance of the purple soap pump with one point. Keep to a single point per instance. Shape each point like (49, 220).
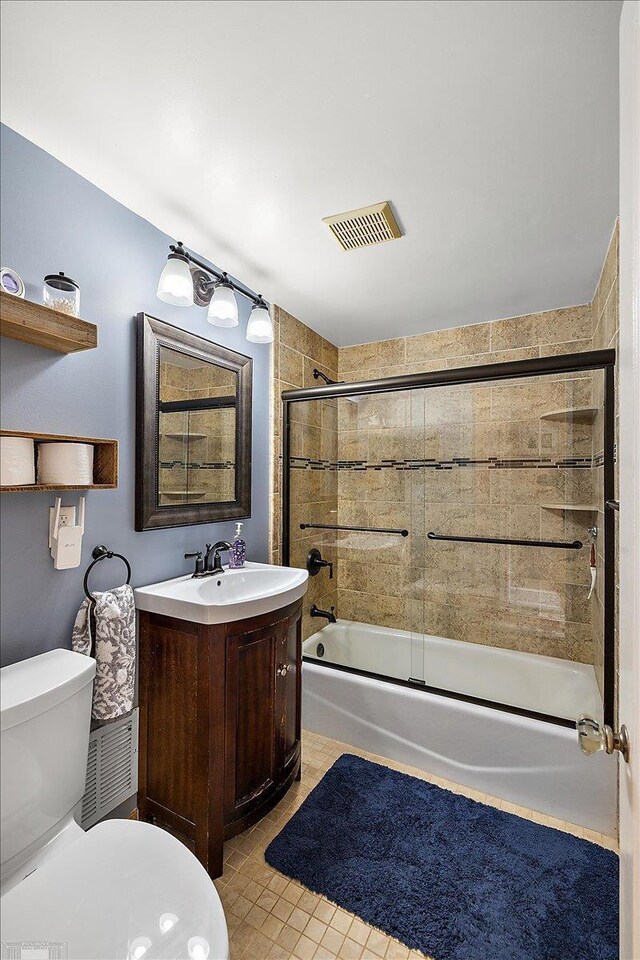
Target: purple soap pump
(238, 552)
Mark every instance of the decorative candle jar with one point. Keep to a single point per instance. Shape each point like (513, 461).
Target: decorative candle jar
(61, 293)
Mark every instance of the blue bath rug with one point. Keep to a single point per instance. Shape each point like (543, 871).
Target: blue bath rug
(446, 875)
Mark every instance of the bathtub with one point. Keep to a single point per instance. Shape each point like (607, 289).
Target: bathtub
(532, 762)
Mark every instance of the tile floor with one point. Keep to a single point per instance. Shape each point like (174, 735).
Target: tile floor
(273, 918)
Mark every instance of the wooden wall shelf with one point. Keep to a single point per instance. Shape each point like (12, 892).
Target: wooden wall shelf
(34, 323)
(105, 462)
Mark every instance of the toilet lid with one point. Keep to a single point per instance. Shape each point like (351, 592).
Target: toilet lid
(123, 891)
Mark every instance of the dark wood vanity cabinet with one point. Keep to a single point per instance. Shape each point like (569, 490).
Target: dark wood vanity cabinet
(263, 717)
(219, 724)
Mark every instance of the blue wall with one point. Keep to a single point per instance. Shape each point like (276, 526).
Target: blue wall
(53, 219)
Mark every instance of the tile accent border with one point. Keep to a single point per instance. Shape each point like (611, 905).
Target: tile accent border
(190, 465)
(492, 463)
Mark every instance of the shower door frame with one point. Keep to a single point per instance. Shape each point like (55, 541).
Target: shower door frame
(514, 369)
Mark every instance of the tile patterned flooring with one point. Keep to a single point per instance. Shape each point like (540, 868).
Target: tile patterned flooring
(273, 918)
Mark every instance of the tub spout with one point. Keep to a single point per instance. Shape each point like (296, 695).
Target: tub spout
(330, 615)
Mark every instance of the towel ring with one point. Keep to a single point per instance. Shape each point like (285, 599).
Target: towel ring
(98, 554)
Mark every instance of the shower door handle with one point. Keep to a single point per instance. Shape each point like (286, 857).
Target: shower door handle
(594, 736)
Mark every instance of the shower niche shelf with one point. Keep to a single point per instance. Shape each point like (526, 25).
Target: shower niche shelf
(577, 507)
(573, 414)
(189, 494)
(185, 436)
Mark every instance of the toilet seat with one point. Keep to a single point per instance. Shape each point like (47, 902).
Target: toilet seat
(125, 890)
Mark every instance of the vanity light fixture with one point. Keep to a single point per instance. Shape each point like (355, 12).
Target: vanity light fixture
(186, 281)
(260, 328)
(223, 309)
(176, 283)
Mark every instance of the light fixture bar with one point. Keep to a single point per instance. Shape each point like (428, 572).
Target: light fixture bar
(186, 280)
(216, 274)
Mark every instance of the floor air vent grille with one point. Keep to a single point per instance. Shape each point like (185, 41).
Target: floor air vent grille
(112, 768)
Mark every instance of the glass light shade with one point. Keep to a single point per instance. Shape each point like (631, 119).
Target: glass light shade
(223, 309)
(176, 283)
(260, 328)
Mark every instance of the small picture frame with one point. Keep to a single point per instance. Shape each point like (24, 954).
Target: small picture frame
(11, 282)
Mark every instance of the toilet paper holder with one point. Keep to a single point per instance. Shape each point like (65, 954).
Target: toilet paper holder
(65, 535)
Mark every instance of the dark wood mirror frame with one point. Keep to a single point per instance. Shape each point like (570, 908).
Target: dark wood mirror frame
(151, 335)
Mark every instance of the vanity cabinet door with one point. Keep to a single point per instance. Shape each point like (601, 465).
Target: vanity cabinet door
(289, 677)
(219, 724)
(251, 749)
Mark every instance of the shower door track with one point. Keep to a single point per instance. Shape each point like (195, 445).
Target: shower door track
(511, 370)
(412, 684)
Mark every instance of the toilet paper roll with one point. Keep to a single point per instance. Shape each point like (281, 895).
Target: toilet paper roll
(17, 461)
(65, 463)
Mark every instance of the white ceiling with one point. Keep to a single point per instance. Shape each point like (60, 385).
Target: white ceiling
(491, 125)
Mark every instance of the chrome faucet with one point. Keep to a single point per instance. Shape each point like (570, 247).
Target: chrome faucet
(211, 568)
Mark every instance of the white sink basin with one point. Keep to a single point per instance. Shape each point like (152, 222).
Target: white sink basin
(233, 595)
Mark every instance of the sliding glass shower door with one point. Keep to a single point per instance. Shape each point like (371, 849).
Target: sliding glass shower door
(513, 482)
(351, 500)
(460, 532)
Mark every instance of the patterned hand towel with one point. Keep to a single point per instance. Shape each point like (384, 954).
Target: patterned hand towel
(114, 650)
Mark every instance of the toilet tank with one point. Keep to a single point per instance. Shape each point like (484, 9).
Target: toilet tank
(45, 716)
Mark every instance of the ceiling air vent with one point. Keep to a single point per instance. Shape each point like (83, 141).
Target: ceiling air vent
(364, 227)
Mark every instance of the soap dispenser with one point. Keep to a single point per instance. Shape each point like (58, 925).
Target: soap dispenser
(238, 552)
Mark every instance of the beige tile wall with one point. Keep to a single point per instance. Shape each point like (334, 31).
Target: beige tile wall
(528, 599)
(531, 599)
(297, 351)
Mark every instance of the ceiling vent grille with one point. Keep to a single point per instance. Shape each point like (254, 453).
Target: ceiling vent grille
(112, 768)
(364, 227)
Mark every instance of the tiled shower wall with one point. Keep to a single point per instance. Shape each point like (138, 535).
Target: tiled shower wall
(471, 460)
(531, 599)
(297, 351)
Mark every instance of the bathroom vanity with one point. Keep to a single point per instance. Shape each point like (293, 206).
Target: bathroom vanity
(219, 702)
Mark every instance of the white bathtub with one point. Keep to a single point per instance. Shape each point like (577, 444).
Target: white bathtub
(546, 685)
(526, 761)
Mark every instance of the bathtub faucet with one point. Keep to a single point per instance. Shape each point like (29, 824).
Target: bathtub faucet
(316, 612)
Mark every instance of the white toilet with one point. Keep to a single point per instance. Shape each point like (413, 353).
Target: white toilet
(123, 889)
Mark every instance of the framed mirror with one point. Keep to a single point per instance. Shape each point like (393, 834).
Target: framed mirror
(193, 445)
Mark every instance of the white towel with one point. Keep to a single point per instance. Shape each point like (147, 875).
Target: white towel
(114, 652)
